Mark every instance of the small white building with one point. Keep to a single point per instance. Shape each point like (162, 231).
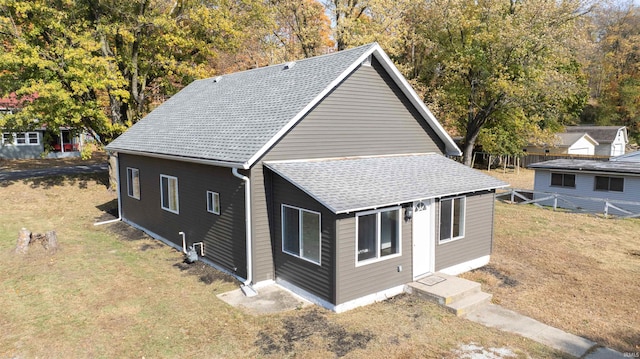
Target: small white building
(612, 140)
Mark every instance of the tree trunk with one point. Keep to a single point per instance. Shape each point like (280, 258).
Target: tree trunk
(113, 172)
(22, 245)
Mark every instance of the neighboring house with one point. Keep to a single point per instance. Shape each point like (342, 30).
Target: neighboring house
(589, 183)
(629, 157)
(34, 142)
(612, 140)
(568, 143)
(327, 175)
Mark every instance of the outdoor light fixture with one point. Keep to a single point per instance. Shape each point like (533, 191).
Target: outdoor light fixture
(408, 213)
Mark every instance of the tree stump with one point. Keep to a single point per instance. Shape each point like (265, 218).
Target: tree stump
(22, 245)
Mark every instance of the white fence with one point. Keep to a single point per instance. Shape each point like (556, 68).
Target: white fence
(622, 209)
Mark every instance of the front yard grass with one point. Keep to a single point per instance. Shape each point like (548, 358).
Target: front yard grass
(111, 292)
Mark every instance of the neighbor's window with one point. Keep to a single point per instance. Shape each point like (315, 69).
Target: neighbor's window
(563, 180)
(133, 182)
(213, 202)
(613, 184)
(169, 193)
(378, 234)
(32, 138)
(301, 233)
(452, 213)
(7, 138)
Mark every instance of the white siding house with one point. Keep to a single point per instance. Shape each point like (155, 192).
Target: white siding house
(588, 185)
(612, 140)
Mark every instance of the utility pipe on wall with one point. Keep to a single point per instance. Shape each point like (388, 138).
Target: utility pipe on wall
(247, 289)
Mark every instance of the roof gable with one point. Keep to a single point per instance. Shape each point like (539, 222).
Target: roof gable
(602, 134)
(569, 139)
(234, 119)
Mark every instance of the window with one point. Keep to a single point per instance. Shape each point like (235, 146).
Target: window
(21, 138)
(378, 234)
(452, 213)
(612, 184)
(563, 180)
(301, 233)
(213, 202)
(133, 182)
(169, 193)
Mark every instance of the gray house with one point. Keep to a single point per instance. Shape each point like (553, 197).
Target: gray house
(589, 184)
(327, 175)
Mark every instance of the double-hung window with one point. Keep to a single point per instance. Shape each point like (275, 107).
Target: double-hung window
(7, 138)
(378, 234)
(452, 213)
(563, 180)
(301, 235)
(169, 193)
(611, 184)
(133, 182)
(213, 202)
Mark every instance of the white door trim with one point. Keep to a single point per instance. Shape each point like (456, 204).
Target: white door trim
(423, 238)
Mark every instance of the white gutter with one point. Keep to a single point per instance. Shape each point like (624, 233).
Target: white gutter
(119, 199)
(246, 287)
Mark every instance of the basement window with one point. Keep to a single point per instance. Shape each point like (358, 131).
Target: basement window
(169, 193)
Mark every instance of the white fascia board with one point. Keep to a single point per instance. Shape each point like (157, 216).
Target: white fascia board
(407, 89)
(201, 161)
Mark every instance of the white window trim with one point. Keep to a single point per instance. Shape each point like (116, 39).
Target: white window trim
(177, 211)
(14, 139)
(378, 258)
(298, 255)
(213, 196)
(129, 184)
(464, 219)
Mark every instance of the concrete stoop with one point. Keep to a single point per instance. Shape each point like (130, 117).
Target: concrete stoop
(457, 295)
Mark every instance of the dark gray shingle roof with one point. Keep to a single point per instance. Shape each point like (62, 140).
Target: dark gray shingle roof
(233, 119)
(568, 139)
(359, 183)
(589, 165)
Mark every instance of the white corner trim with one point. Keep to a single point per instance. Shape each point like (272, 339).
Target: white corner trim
(466, 266)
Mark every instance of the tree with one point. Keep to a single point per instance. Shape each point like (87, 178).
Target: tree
(101, 64)
(485, 66)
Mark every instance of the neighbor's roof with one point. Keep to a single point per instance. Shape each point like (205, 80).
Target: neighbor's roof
(568, 139)
(602, 134)
(357, 183)
(628, 157)
(589, 166)
(234, 119)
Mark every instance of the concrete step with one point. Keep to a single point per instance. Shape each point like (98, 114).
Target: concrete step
(469, 304)
(460, 296)
(450, 289)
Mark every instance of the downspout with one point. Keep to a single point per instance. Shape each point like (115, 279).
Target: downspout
(246, 286)
(119, 199)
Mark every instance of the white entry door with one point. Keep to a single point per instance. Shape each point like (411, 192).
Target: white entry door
(423, 236)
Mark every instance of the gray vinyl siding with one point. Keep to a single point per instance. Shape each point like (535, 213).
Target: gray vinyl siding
(314, 278)
(585, 188)
(367, 114)
(478, 233)
(355, 282)
(223, 235)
